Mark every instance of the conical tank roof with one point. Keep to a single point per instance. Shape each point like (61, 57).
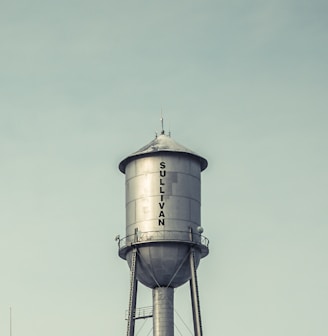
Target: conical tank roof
(162, 143)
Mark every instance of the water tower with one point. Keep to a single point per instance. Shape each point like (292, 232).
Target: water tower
(163, 243)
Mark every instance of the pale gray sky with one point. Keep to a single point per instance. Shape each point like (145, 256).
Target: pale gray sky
(243, 83)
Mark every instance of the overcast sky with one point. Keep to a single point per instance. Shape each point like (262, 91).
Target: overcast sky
(242, 83)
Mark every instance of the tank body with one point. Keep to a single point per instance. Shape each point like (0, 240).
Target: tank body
(163, 215)
(163, 194)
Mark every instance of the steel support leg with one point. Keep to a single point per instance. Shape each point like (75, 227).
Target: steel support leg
(133, 294)
(195, 296)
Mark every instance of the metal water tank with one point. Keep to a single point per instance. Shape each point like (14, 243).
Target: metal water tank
(163, 212)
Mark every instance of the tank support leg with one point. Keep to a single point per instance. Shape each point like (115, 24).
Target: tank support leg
(133, 294)
(195, 296)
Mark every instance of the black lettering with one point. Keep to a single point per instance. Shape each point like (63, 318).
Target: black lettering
(161, 214)
(162, 173)
(161, 221)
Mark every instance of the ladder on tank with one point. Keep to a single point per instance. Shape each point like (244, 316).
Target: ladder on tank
(133, 294)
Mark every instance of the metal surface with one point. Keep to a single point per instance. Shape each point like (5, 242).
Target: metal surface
(158, 198)
(195, 296)
(163, 319)
(162, 196)
(157, 244)
(163, 143)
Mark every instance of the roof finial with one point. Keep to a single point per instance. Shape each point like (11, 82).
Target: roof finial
(162, 122)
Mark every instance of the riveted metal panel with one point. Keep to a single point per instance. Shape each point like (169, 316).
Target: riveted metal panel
(164, 193)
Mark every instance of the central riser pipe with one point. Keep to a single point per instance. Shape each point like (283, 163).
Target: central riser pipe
(163, 313)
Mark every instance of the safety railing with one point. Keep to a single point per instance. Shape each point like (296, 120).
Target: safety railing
(141, 313)
(162, 235)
